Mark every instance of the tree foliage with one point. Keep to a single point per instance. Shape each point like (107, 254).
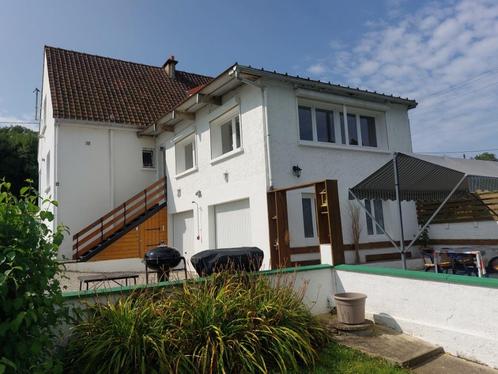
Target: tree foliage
(31, 301)
(486, 156)
(18, 155)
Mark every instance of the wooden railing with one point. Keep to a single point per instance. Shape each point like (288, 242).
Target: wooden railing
(110, 223)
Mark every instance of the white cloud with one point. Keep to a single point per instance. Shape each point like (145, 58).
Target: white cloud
(317, 69)
(445, 56)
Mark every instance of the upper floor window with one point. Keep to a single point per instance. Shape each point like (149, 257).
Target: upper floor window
(317, 124)
(185, 154)
(374, 207)
(148, 158)
(225, 134)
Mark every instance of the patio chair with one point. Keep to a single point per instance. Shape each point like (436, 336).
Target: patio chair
(444, 264)
(428, 261)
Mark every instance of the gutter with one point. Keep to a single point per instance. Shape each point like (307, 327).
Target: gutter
(264, 96)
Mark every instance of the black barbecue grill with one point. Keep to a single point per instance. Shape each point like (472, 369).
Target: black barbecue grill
(163, 259)
(227, 259)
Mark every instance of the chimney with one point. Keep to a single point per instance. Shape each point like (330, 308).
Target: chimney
(169, 66)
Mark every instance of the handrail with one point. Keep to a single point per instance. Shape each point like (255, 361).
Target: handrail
(101, 229)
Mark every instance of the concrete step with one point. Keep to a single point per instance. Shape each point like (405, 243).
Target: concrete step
(399, 349)
(449, 364)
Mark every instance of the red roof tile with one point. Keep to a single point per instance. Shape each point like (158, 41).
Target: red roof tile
(102, 89)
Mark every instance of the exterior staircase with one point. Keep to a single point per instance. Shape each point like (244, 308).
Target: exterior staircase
(98, 235)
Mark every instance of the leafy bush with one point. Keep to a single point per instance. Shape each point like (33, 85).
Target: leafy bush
(30, 294)
(223, 324)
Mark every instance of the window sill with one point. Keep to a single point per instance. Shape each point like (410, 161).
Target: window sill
(308, 143)
(227, 155)
(186, 172)
(149, 169)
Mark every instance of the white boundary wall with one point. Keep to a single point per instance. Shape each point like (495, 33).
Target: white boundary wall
(458, 317)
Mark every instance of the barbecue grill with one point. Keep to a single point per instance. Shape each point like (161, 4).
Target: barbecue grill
(163, 259)
(227, 259)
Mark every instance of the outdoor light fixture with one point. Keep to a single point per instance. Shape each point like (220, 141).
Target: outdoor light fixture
(296, 170)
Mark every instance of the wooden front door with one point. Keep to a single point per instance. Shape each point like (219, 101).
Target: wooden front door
(152, 232)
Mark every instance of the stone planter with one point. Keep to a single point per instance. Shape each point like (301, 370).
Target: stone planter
(350, 307)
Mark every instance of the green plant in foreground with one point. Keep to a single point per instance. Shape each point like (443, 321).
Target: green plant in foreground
(223, 324)
(31, 303)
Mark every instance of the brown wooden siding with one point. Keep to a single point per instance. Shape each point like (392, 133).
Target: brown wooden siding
(136, 242)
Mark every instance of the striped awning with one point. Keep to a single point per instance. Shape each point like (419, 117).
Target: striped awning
(424, 177)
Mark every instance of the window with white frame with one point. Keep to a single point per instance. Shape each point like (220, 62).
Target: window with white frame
(185, 154)
(375, 208)
(308, 205)
(318, 124)
(148, 158)
(225, 134)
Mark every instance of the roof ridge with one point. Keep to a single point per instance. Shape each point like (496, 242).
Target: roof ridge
(119, 60)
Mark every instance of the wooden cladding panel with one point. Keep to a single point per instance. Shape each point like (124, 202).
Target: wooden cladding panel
(481, 206)
(139, 240)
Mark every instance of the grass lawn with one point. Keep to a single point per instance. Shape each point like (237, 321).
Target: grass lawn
(338, 359)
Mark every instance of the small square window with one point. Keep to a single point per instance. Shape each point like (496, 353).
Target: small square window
(148, 158)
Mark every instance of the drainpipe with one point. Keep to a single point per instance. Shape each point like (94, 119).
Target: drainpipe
(264, 97)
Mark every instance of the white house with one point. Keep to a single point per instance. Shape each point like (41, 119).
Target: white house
(111, 128)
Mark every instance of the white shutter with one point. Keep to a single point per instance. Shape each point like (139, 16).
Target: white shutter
(233, 224)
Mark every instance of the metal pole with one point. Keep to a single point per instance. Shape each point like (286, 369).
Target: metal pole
(401, 230)
(374, 220)
(437, 211)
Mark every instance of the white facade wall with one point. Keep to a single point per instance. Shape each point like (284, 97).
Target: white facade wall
(347, 164)
(458, 317)
(98, 168)
(241, 176)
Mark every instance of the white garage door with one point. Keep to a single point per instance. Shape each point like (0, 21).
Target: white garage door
(233, 224)
(183, 232)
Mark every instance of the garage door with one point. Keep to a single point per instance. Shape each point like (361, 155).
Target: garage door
(183, 232)
(233, 224)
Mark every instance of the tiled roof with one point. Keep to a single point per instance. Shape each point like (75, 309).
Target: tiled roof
(102, 89)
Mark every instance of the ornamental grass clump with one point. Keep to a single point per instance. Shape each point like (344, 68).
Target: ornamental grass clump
(226, 323)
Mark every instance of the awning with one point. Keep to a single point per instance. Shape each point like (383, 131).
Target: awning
(424, 177)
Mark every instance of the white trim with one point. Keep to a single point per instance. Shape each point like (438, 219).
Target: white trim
(227, 155)
(220, 111)
(338, 100)
(186, 172)
(345, 147)
(183, 134)
(97, 125)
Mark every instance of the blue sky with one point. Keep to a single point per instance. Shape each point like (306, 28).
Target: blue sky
(443, 54)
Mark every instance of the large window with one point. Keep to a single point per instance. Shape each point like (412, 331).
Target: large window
(374, 207)
(225, 135)
(318, 124)
(185, 154)
(305, 123)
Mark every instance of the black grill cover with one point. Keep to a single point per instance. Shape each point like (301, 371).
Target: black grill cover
(162, 257)
(216, 260)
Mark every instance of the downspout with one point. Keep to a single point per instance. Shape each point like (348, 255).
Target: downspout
(264, 98)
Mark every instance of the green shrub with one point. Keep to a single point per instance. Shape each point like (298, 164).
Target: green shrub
(30, 294)
(223, 324)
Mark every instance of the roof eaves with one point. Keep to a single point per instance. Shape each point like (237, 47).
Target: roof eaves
(346, 89)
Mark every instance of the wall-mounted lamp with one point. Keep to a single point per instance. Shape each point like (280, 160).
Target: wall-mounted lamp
(198, 194)
(179, 192)
(225, 176)
(296, 170)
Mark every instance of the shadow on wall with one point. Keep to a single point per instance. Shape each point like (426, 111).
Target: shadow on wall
(379, 318)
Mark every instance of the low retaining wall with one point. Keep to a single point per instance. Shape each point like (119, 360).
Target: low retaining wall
(316, 280)
(453, 311)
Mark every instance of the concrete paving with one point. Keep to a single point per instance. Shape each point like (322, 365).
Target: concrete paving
(404, 350)
(446, 363)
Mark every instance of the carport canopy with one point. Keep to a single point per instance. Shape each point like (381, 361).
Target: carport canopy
(410, 176)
